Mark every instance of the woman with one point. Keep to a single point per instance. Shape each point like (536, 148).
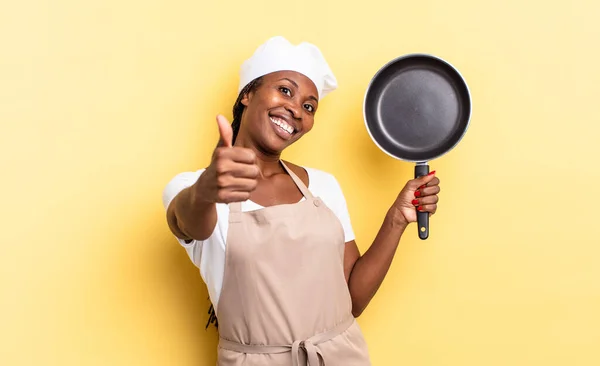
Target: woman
(272, 239)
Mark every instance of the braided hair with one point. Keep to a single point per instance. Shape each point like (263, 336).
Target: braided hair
(238, 109)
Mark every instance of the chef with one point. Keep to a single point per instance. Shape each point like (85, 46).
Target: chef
(273, 240)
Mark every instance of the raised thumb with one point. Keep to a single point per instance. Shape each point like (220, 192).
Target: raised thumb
(225, 131)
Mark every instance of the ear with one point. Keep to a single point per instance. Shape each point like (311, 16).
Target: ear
(245, 99)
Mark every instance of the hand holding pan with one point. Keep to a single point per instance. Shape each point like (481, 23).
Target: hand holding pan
(417, 108)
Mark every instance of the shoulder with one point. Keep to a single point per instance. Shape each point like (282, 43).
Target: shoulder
(178, 183)
(316, 178)
(321, 179)
(325, 186)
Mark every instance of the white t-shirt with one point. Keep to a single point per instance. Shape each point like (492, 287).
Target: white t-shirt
(209, 255)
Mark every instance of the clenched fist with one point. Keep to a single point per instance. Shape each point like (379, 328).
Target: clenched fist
(233, 174)
(420, 193)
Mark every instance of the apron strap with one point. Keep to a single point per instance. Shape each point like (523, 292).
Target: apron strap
(235, 212)
(298, 182)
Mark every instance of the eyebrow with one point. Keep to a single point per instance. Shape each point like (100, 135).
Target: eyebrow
(296, 85)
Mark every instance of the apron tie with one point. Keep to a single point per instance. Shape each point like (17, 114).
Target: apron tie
(312, 353)
(309, 345)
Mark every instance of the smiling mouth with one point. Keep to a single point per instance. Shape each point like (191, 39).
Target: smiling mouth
(283, 125)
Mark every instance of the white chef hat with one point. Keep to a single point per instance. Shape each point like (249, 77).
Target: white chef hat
(278, 54)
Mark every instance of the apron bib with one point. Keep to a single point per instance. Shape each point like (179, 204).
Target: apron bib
(285, 300)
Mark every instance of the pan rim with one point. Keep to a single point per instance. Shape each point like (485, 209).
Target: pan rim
(385, 67)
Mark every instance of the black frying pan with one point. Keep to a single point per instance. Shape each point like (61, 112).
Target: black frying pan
(417, 108)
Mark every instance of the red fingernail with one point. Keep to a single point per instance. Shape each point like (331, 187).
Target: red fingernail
(432, 173)
(423, 186)
(419, 208)
(414, 202)
(417, 193)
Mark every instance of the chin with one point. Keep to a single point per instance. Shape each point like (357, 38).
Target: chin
(277, 145)
(274, 144)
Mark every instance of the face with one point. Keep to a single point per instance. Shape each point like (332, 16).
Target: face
(279, 111)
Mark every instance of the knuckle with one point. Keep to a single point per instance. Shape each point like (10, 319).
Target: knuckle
(255, 171)
(222, 196)
(222, 181)
(251, 172)
(221, 167)
(253, 184)
(219, 152)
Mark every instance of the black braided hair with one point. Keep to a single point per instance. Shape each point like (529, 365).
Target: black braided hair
(238, 109)
(212, 317)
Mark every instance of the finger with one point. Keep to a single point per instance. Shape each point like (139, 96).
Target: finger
(424, 180)
(241, 170)
(236, 154)
(434, 182)
(242, 184)
(226, 196)
(423, 201)
(428, 208)
(242, 155)
(429, 191)
(227, 169)
(225, 131)
(232, 183)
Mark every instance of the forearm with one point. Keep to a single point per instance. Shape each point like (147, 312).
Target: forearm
(191, 217)
(371, 268)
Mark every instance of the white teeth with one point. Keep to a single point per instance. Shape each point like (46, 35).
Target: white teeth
(281, 123)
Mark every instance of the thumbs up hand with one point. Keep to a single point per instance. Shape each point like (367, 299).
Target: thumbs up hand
(233, 173)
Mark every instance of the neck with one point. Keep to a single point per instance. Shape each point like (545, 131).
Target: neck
(267, 162)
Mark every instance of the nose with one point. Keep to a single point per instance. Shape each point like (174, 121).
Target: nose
(295, 109)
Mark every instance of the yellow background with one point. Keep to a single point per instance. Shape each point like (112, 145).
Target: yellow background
(101, 103)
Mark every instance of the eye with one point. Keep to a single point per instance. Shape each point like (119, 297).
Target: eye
(286, 91)
(309, 107)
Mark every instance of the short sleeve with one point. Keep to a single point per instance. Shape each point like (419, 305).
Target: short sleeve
(180, 182)
(340, 208)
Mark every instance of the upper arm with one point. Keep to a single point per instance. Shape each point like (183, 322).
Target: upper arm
(180, 182)
(171, 192)
(172, 221)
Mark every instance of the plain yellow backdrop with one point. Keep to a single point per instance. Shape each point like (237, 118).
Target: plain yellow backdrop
(102, 103)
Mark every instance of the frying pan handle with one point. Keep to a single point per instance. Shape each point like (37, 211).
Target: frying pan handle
(422, 217)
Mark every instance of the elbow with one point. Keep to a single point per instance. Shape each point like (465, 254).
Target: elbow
(175, 226)
(358, 301)
(357, 310)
